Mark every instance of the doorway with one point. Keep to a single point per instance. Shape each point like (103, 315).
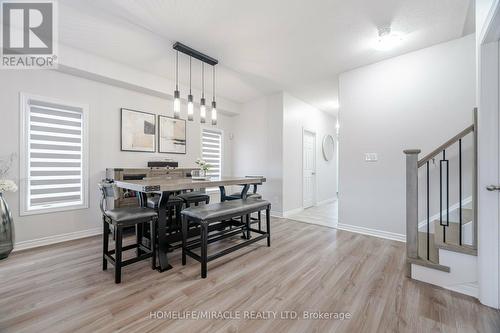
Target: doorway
(308, 169)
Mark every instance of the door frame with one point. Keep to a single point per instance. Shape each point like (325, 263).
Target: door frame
(315, 187)
(488, 90)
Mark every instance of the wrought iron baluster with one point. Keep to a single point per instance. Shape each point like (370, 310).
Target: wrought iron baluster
(444, 225)
(460, 191)
(428, 212)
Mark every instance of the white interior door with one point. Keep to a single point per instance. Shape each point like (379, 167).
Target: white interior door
(309, 169)
(488, 224)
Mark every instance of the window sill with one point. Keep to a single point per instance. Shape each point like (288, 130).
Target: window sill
(53, 210)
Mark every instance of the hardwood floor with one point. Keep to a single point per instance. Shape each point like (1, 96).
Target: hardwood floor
(61, 288)
(325, 215)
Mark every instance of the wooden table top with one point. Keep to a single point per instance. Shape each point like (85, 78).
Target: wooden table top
(179, 184)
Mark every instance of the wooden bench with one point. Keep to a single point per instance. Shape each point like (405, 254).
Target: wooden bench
(215, 213)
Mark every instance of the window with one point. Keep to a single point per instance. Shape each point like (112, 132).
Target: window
(211, 145)
(54, 150)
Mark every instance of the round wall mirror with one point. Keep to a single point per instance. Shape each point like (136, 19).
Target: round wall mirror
(328, 147)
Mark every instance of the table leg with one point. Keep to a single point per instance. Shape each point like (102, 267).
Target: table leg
(244, 191)
(162, 233)
(222, 190)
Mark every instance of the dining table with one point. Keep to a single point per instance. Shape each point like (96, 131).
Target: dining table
(166, 187)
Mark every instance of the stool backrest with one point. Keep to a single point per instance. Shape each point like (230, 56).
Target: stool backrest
(108, 190)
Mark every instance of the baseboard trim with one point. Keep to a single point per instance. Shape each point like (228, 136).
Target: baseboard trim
(24, 245)
(327, 201)
(286, 214)
(372, 232)
(468, 288)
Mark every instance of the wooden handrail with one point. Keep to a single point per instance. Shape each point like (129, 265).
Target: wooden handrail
(445, 145)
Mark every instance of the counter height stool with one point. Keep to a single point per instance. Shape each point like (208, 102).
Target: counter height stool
(194, 197)
(253, 194)
(121, 218)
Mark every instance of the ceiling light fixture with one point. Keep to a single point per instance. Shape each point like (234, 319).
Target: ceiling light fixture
(192, 53)
(387, 39)
(214, 105)
(177, 94)
(190, 96)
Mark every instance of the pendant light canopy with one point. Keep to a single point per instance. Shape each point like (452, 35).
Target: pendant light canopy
(192, 53)
(214, 105)
(177, 94)
(190, 96)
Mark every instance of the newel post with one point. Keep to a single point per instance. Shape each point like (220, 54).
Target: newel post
(412, 203)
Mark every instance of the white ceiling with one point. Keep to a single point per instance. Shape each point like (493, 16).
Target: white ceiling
(263, 45)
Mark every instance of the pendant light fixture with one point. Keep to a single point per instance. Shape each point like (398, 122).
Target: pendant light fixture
(203, 109)
(205, 59)
(190, 96)
(214, 105)
(177, 94)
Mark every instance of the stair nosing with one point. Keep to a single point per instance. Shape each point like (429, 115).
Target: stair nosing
(428, 264)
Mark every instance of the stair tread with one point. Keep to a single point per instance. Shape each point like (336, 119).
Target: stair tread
(466, 249)
(429, 264)
(452, 233)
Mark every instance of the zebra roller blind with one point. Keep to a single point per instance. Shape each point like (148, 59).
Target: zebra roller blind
(54, 156)
(211, 144)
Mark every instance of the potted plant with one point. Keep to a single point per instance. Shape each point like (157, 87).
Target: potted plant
(6, 222)
(202, 172)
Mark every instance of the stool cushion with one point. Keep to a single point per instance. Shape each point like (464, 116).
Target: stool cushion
(249, 195)
(194, 196)
(155, 200)
(130, 215)
(225, 209)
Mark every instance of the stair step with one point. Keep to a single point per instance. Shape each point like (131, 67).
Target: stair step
(452, 233)
(429, 264)
(466, 249)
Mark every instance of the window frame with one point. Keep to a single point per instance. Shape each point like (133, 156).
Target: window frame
(221, 132)
(24, 108)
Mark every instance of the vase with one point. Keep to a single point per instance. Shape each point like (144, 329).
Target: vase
(198, 174)
(6, 229)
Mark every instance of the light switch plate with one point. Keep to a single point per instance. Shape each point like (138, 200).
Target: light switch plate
(371, 157)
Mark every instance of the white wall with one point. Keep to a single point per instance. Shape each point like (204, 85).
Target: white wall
(268, 141)
(418, 100)
(298, 116)
(258, 146)
(105, 102)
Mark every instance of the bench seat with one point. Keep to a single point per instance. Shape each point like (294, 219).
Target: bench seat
(215, 213)
(226, 209)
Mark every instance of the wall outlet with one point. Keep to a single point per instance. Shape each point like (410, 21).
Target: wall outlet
(371, 157)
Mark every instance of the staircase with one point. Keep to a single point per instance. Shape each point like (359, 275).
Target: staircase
(442, 248)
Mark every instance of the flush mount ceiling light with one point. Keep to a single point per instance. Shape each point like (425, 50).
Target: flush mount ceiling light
(192, 53)
(387, 39)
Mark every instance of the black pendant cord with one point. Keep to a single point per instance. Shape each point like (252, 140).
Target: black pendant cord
(202, 80)
(177, 70)
(189, 75)
(213, 75)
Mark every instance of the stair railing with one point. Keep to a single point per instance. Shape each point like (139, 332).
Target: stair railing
(413, 164)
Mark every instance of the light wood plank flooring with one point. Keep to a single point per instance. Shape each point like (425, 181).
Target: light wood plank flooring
(61, 288)
(326, 215)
